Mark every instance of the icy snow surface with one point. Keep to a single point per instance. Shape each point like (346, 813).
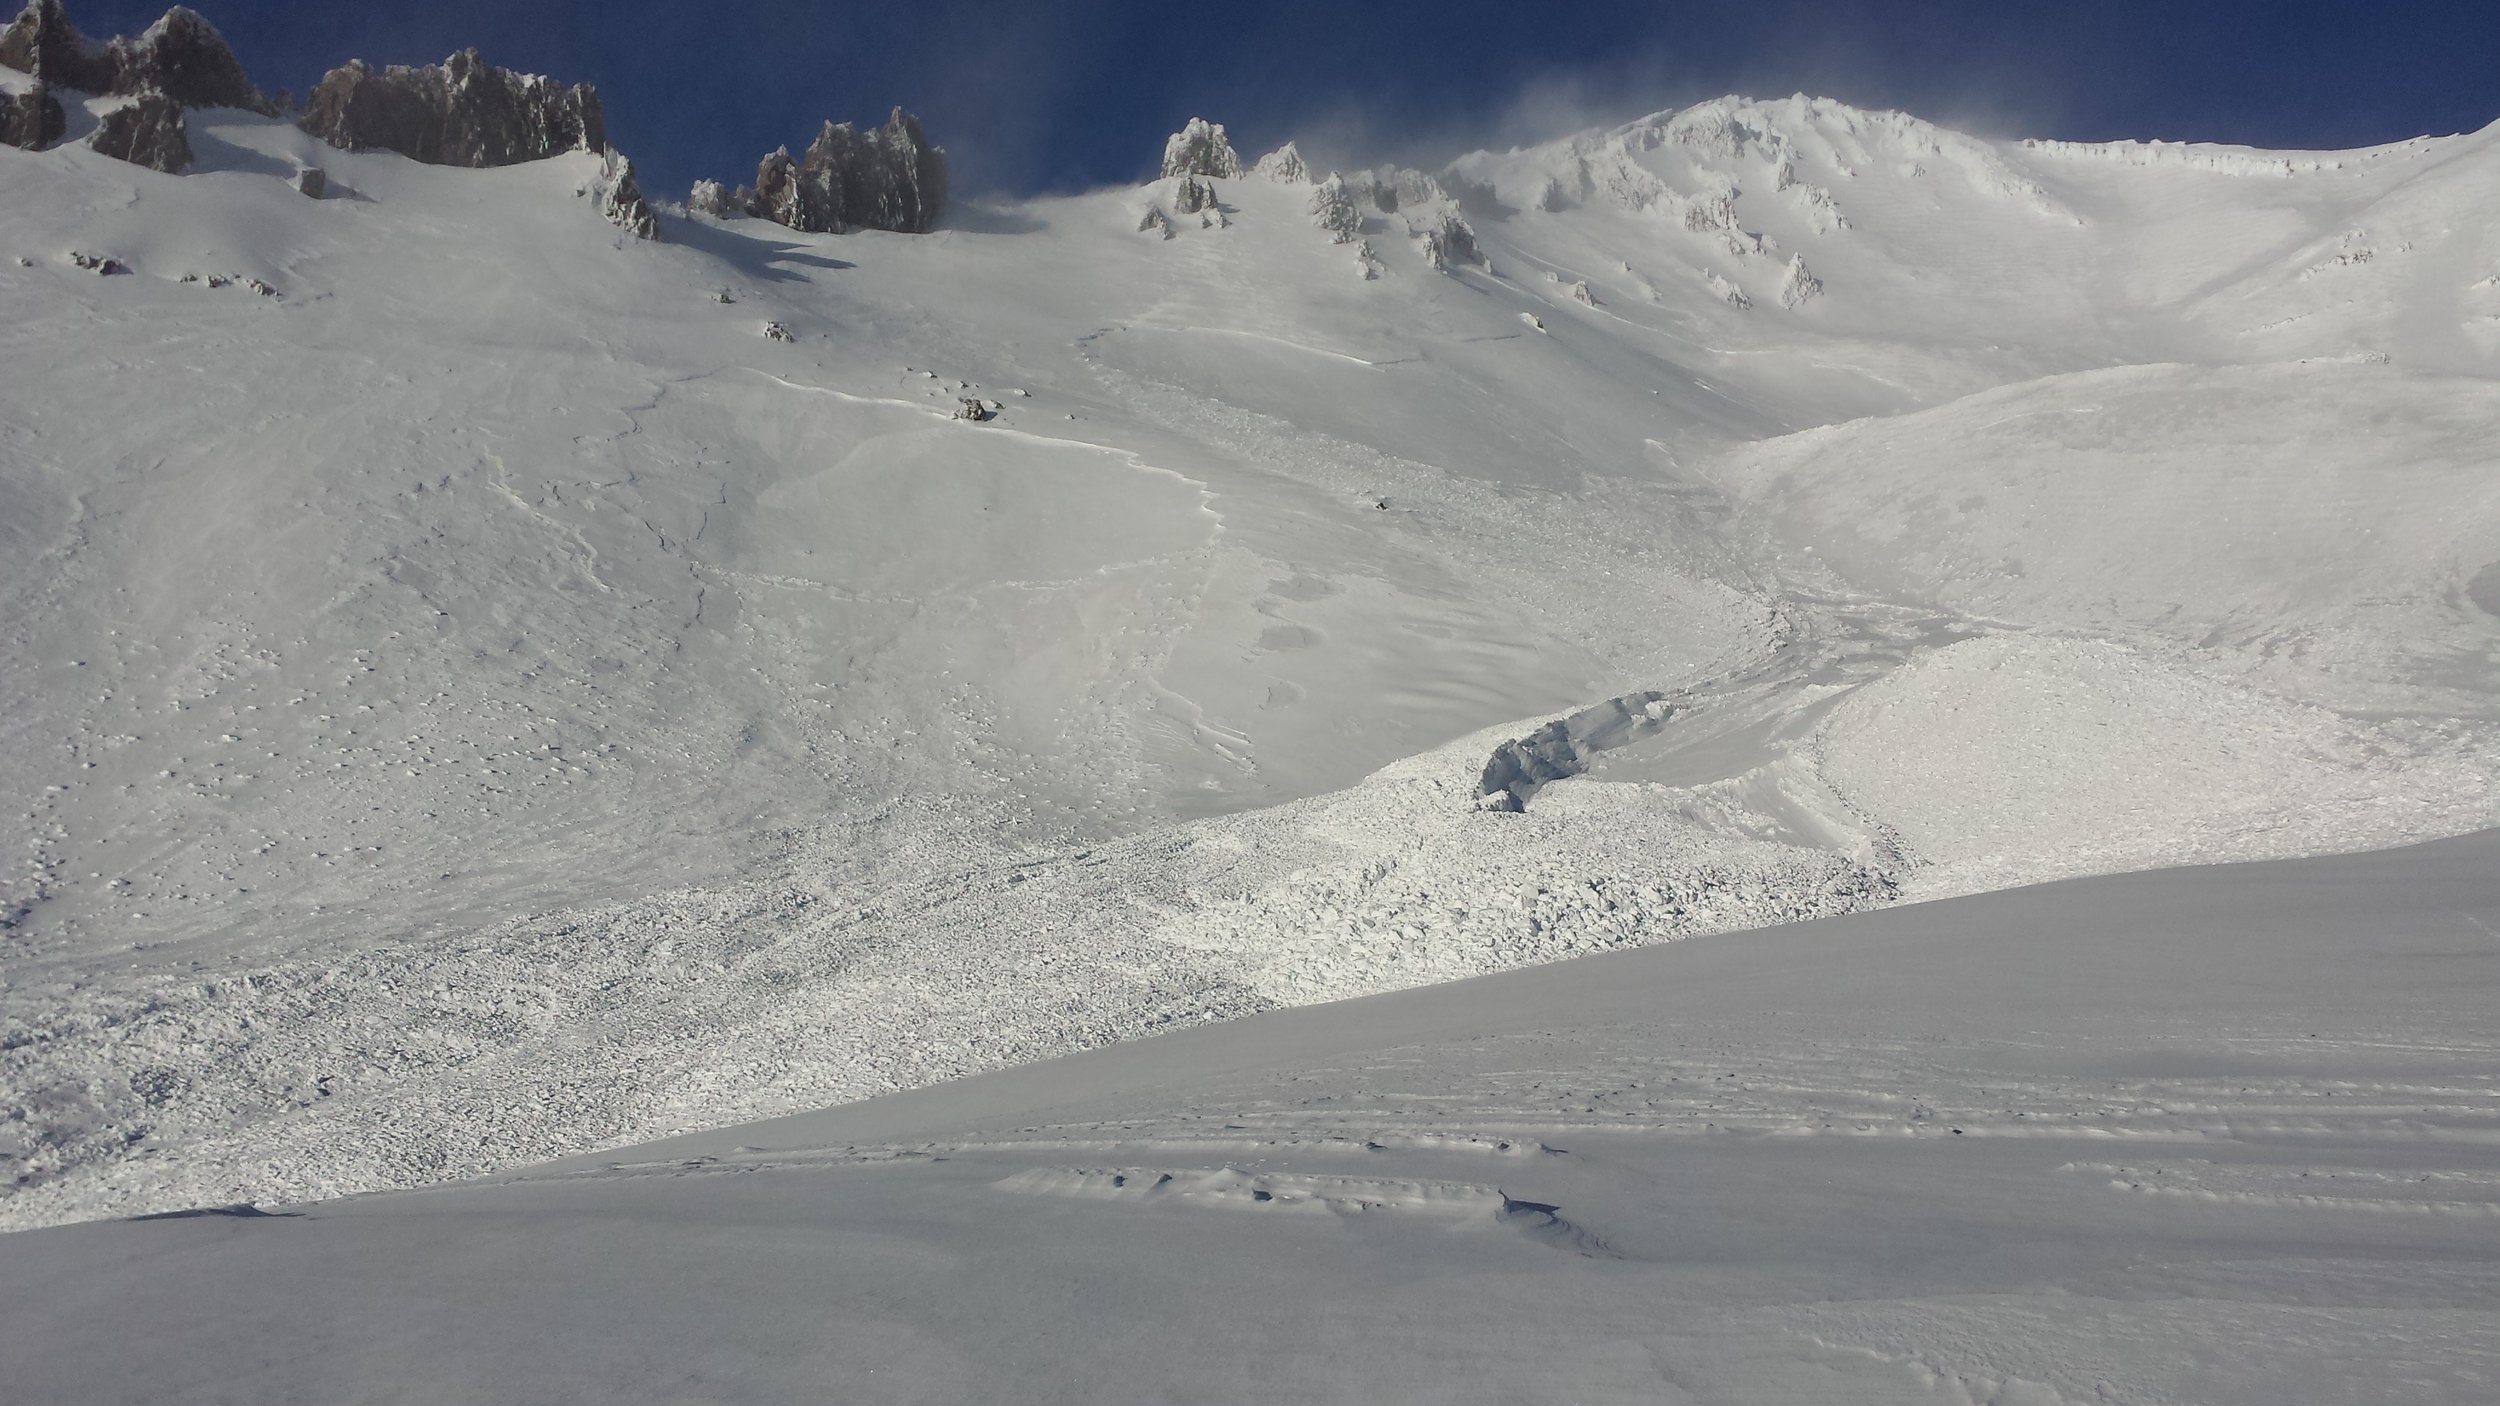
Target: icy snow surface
(477, 700)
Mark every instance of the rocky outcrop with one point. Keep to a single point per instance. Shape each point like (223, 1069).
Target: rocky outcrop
(1284, 166)
(313, 182)
(1799, 284)
(1199, 149)
(32, 120)
(43, 42)
(1449, 241)
(184, 57)
(889, 179)
(181, 56)
(149, 132)
(620, 197)
(1193, 195)
(1333, 209)
(709, 198)
(1564, 747)
(464, 112)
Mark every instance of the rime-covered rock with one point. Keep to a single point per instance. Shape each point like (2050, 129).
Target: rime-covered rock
(1799, 284)
(463, 112)
(1449, 241)
(709, 198)
(43, 42)
(889, 179)
(1199, 149)
(32, 120)
(184, 57)
(1367, 264)
(1332, 209)
(1192, 196)
(148, 132)
(1153, 222)
(1284, 166)
(620, 198)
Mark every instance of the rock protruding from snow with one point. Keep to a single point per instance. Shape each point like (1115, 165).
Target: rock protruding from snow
(43, 42)
(32, 120)
(1333, 209)
(711, 198)
(181, 56)
(1562, 748)
(620, 198)
(1193, 195)
(1200, 149)
(313, 182)
(889, 179)
(1799, 284)
(462, 112)
(184, 57)
(1450, 241)
(149, 132)
(1284, 166)
(1153, 221)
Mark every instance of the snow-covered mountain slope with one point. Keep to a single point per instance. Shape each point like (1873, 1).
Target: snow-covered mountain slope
(484, 698)
(2214, 1135)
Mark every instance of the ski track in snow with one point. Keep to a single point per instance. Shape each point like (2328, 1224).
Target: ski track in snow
(574, 719)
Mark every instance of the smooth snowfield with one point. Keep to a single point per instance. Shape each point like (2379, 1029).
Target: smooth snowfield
(2210, 1134)
(485, 700)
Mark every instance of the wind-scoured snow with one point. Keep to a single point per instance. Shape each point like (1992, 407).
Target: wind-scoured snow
(470, 698)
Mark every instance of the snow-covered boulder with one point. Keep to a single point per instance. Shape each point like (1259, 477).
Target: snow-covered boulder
(31, 120)
(1284, 166)
(1333, 209)
(889, 179)
(1799, 284)
(148, 132)
(620, 198)
(43, 42)
(463, 112)
(1200, 149)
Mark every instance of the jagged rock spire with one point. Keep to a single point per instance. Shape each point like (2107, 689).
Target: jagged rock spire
(889, 179)
(1199, 149)
(43, 42)
(463, 112)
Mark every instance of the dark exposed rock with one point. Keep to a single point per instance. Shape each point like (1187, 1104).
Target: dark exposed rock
(181, 56)
(464, 112)
(149, 132)
(889, 179)
(1563, 748)
(973, 410)
(102, 265)
(184, 57)
(313, 181)
(1200, 149)
(43, 42)
(32, 119)
(778, 332)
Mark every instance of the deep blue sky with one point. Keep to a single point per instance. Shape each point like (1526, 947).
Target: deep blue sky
(1058, 94)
